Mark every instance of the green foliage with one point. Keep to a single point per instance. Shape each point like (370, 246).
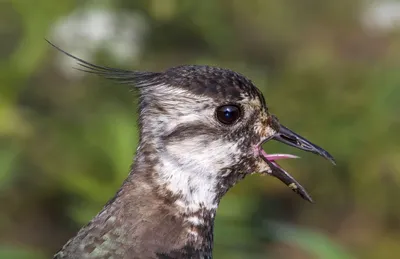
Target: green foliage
(18, 253)
(313, 242)
(66, 142)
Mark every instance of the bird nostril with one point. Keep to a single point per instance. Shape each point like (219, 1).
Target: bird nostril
(291, 139)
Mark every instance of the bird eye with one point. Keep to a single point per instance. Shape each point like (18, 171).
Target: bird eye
(228, 114)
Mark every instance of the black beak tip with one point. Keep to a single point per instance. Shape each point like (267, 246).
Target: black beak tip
(297, 188)
(329, 157)
(309, 199)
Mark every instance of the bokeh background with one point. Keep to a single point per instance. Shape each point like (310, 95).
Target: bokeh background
(330, 70)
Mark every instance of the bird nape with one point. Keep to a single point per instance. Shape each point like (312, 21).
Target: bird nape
(201, 131)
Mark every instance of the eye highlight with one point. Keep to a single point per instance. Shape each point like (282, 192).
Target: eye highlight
(228, 114)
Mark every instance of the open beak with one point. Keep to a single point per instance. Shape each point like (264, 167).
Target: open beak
(288, 137)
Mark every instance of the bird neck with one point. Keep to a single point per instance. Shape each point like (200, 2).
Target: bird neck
(157, 214)
(190, 190)
(164, 208)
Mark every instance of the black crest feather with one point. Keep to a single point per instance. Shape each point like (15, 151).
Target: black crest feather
(138, 78)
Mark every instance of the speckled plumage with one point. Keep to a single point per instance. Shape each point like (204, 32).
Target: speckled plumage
(185, 162)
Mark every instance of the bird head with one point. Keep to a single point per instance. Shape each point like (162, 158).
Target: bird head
(213, 122)
(204, 128)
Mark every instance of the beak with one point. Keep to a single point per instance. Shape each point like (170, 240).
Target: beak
(290, 138)
(286, 178)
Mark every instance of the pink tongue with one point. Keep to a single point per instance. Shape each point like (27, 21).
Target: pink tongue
(273, 157)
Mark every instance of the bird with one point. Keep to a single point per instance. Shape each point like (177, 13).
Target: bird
(201, 131)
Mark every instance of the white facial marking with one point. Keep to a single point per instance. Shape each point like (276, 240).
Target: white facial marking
(196, 221)
(191, 170)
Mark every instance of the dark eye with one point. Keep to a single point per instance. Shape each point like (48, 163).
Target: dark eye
(228, 114)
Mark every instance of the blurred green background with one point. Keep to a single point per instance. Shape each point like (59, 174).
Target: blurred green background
(330, 70)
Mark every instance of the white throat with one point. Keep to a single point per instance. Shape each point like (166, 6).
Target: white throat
(191, 171)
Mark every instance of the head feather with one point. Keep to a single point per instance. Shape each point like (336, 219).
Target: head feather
(138, 78)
